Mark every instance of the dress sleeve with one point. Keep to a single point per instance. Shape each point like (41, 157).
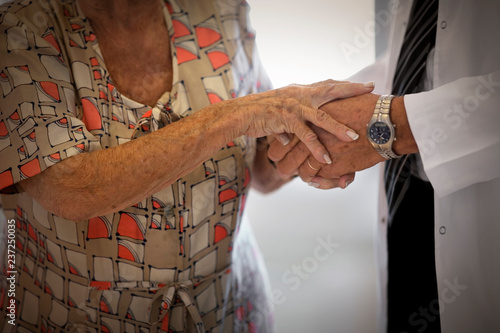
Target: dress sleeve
(40, 123)
(457, 130)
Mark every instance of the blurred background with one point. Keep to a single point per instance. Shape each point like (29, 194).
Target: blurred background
(305, 42)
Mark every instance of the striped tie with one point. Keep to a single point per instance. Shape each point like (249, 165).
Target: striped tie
(419, 39)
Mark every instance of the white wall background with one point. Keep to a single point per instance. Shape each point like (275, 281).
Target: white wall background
(300, 42)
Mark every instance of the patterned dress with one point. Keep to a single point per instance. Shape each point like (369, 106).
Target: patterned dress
(178, 261)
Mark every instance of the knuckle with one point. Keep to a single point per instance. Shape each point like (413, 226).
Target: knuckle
(336, 126)
(322, 116)
(309, 137)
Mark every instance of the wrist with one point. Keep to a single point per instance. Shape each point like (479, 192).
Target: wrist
(233, 117)
(405, 142)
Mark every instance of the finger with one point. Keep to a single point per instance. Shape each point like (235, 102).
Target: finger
(348, 89)
(290, 164)
(329, 183)
(277, 151)
(325, 93)
(322, 119)
(311, 141)
(319, 83)
(346, 180)
(325, 183)
(309, 169)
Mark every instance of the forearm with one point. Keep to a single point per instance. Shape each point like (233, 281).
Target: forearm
(105, 181)
(109, 180)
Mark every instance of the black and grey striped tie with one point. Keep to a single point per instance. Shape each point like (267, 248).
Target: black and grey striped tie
(420, 38)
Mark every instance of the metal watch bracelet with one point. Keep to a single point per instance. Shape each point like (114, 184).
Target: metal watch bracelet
(381, 112)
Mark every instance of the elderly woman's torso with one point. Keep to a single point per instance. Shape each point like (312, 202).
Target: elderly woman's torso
(105, 272)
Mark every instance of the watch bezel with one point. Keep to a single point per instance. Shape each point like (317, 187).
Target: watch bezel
(388, 126)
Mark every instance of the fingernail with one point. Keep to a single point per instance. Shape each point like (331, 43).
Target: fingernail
(313, 184)
(370, 84)
(327, 159)
(284, 139)
(347, 183)
(353, 135)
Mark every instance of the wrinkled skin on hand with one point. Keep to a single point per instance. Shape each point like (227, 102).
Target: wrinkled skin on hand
(293, 109)
(347, 157)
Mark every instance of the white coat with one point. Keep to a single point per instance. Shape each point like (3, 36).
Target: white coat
(457, 128)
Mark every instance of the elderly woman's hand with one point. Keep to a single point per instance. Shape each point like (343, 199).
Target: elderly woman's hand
(287, 110)
(347, 157)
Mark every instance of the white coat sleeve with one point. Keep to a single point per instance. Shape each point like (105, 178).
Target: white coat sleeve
(457, 130)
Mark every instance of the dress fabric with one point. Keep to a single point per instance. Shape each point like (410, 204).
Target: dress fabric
(178, 261)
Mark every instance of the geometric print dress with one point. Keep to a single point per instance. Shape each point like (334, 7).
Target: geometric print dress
(178, 261)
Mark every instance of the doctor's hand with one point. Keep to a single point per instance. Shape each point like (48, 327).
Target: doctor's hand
(347, 157)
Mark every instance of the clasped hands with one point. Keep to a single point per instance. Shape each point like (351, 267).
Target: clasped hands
(347, 157)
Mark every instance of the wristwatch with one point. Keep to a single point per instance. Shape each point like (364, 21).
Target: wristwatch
(380, 130)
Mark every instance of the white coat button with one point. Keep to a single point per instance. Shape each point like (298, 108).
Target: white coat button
(443, 25)
(442, 230)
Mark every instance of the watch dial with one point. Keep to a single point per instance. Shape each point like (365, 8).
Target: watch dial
(380, 133)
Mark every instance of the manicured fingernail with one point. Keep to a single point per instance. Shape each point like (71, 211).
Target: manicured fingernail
(353, 135)
(370, 84)
(284, 139)
(313, 184)
(327, 159)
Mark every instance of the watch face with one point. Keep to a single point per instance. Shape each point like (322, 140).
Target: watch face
(380, 133)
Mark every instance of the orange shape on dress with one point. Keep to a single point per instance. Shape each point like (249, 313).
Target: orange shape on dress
(180, 29)
(207, 36)
(218, 59)
(97, 228)
(220, 233)
(128, 227)
(31, 168)
(184, 55)
(91, 116)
